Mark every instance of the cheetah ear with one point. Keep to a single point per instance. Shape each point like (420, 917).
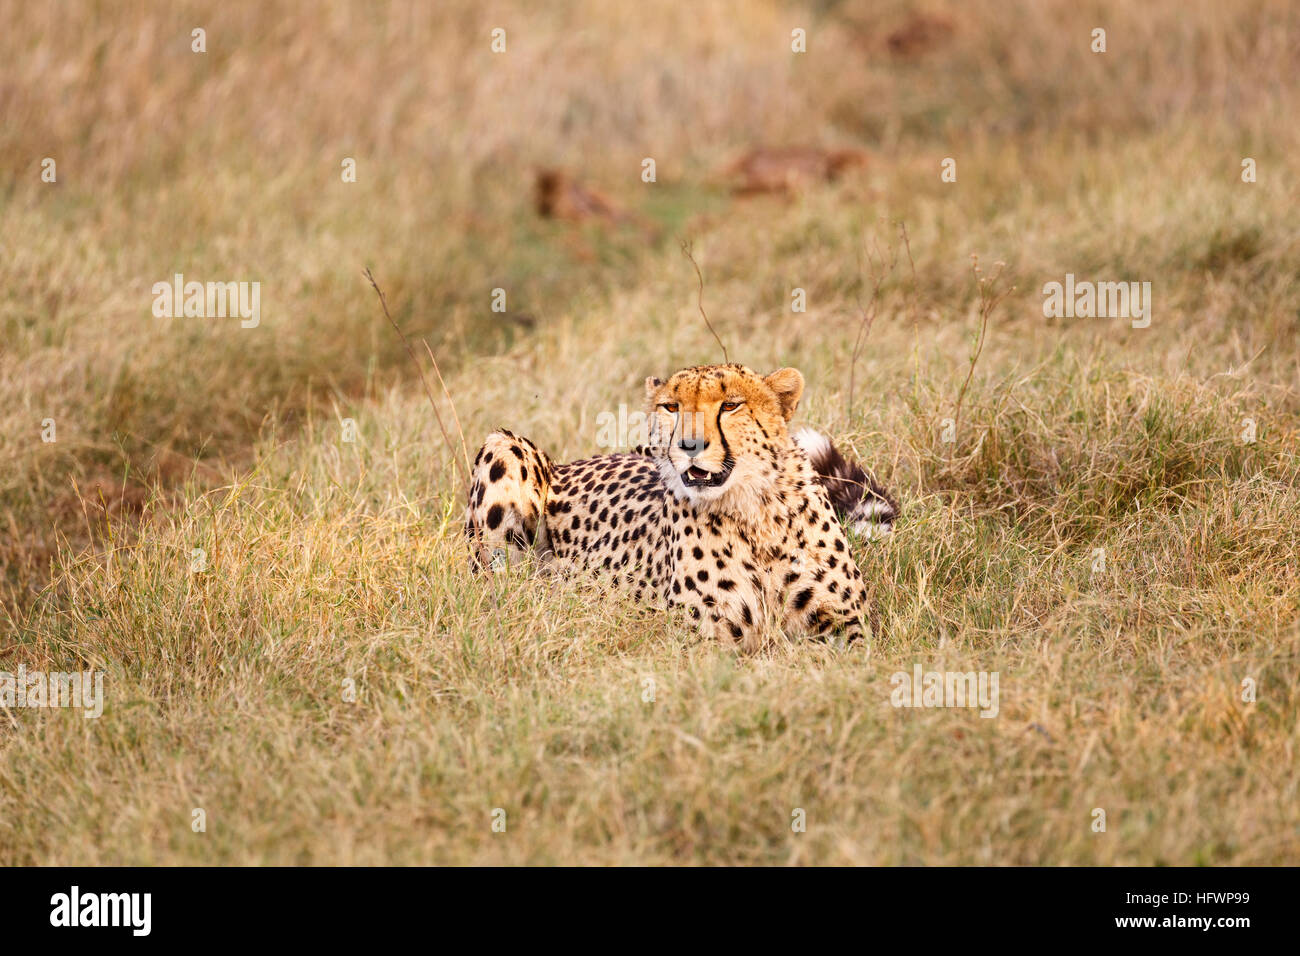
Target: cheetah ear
(787, 383)
(651, 385)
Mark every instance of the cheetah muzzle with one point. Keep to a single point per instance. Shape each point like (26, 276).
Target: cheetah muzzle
(696, 477)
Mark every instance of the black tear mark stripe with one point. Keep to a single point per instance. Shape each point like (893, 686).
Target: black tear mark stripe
(726, 446)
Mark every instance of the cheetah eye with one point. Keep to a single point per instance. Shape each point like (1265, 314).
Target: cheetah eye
(730, 406)
(670, 407)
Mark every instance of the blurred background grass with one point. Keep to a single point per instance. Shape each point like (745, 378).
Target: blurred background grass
(226, 165)
(1076, 433)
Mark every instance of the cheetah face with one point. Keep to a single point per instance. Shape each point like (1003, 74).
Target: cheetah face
(718, 431)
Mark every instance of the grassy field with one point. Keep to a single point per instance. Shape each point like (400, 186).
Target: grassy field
(336, 686)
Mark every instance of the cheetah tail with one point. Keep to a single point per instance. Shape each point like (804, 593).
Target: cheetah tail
(860, 500)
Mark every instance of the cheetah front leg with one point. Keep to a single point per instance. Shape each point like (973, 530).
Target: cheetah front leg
(506, 516)
(727, 619)
(825, 595)
(720, 583)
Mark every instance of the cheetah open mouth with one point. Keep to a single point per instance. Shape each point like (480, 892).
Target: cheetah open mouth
(697, 477)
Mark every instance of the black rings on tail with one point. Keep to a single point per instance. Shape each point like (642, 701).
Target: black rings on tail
(861, 502)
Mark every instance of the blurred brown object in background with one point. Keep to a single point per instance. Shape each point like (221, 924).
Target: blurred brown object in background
(921, 33)
(790, 168)
(560, 196)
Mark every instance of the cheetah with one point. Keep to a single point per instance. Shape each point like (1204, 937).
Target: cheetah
(725, 514)
(559, 196)
(790, 169)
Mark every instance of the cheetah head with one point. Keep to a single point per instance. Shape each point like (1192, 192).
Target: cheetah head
(719, 431)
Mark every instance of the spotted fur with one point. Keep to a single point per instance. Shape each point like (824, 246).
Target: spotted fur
(725, 516)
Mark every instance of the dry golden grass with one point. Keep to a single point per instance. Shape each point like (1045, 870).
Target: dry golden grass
(333, 562)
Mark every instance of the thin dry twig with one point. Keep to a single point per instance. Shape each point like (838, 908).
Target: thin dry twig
(990, 298)
(686, 251)
(455, 417)
(912, 310)
(907, 245)
(878, 274)
(427, 390)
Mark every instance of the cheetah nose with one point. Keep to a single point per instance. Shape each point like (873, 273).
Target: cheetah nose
(693, 446)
